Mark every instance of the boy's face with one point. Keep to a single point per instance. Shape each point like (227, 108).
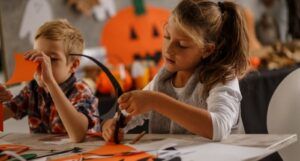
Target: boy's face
(61, 68)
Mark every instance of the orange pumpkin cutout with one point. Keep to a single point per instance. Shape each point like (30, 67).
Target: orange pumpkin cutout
(127, 34)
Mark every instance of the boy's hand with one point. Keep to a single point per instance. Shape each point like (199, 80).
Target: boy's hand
(5, 95)
(136, 102)
(108, 130)
(44, 71)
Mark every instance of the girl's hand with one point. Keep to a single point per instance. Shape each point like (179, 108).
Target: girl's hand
(44, 71)
(137, 102)
(5, 95)
(108, 130)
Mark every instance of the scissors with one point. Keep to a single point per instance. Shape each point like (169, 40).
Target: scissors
(121, 123)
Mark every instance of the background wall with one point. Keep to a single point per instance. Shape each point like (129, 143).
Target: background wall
(12, 13)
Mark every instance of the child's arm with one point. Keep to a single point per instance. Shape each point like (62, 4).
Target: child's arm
(75, 123)
(193, 119)
(5, 95)
(13, 107)
(7, 113)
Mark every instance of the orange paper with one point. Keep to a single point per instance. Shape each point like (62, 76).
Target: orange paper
(24, 70)
(127, 34)
(12, 147)
(111, 149)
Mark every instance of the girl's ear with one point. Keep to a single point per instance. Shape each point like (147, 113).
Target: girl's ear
(75, 65)
(209, 49)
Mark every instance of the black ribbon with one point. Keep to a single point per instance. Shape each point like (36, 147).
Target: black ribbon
(121, 118)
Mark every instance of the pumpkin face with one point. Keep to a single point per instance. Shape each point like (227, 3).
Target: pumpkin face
(127, 34)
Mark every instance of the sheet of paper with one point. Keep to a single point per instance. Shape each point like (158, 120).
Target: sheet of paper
(24, 70)
(198, 151)
(162, 144)
(221, 152)
(59, 142)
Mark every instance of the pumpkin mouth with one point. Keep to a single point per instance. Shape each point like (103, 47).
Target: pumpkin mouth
(156, 57)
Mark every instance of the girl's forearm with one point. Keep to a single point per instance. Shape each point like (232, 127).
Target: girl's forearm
(76, 123)
(193, 119)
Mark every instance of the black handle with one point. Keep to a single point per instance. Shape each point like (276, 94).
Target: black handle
(121, 119)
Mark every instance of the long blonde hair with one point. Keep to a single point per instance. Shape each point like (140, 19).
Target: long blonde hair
(222, 24)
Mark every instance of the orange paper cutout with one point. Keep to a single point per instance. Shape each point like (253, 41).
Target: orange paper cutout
(111, 149)
(148, 29)
(12, 147)
(24, 70)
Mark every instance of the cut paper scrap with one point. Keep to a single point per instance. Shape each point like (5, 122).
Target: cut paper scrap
(109, 149)
(24, 70)
(12, 147)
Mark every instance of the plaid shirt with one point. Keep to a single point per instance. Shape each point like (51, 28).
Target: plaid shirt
(42, 115)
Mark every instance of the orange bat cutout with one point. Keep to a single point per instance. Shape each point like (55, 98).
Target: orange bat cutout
(24, 70)
(110, 149)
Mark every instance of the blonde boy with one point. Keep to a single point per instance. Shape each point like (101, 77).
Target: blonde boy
(55, 101)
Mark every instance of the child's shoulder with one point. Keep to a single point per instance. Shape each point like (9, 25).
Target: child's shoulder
(231, 87)
(81, 86)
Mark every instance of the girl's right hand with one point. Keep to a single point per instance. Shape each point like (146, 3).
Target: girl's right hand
(5, 95)
(108, 130)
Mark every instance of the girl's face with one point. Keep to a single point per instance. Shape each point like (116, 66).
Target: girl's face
(179, 51)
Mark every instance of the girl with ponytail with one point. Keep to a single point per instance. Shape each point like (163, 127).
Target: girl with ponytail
(197, 91)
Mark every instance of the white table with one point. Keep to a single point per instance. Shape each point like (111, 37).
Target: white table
(267, 141)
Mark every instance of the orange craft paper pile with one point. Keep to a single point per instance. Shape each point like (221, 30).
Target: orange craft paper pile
(24, 70)
(111, 149)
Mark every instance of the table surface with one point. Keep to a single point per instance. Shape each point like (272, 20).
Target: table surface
(268, 141)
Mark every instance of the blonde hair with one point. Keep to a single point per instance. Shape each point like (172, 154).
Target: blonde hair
(62, 30)
(222, 24)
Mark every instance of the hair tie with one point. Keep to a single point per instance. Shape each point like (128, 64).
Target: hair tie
(221, 6)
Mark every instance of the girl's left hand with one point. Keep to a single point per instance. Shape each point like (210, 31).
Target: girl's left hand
(136, 102)
(44, 70)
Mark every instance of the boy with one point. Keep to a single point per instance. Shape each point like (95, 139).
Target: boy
(55, 101)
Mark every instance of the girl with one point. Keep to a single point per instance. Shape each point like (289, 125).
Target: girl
(197, 91)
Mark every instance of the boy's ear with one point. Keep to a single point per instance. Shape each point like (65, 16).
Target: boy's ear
(75, 65)
(209, 49)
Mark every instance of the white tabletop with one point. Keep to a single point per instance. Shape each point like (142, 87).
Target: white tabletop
(270, 142)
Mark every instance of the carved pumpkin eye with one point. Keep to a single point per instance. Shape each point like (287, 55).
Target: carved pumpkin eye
(133, 35)
(155, 32)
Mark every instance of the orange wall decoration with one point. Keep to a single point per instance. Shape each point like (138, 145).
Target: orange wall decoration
(128, 33)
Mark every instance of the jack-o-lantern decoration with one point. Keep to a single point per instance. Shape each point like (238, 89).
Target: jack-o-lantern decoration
(134, 30)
